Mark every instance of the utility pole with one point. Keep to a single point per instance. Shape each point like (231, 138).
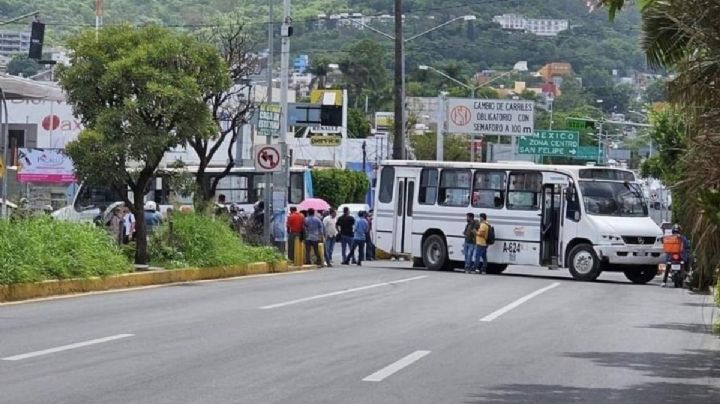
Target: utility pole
(399, 119)
(286, 32)
(268, 139)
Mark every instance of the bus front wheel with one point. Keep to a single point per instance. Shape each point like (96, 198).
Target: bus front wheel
(584, 263)
(434, 253)
(641, 276)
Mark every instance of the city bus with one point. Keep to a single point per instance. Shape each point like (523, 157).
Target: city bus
(586, 219)
(243, 187)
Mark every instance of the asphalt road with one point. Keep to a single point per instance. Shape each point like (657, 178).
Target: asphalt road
(382, 333)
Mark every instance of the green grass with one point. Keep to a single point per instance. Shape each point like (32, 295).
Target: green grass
(199, 240)
(39, 248)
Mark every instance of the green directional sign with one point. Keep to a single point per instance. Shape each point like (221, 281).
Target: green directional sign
(580, 124)
(589, 153)
(550, 143)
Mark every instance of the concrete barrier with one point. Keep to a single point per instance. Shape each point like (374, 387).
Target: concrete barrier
(25, 291)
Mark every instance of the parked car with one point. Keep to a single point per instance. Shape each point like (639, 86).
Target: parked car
(355, 208)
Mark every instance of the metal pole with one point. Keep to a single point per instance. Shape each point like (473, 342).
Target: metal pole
(399, 119)
(268, 139)
(440, 141)
(285, 32)
(343, 129)
(472, 136)
(600, 157)
(4, 114)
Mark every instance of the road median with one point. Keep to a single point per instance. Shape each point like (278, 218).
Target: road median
(35, 290)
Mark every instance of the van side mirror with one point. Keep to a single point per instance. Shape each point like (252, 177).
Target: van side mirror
(577, 216)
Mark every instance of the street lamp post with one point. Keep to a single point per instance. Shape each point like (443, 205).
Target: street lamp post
(399, 149)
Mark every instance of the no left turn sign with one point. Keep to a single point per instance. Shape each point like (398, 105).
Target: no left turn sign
(267, 158)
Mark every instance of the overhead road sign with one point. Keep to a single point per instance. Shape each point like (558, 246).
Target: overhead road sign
(269, 120)
(267, 158)
(580, 123)
(491, 117)
(550, 143)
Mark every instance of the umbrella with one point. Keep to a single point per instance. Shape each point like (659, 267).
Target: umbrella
(314, 203)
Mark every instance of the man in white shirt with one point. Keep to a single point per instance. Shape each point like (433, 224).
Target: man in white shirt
(330, 225)
(128, 224)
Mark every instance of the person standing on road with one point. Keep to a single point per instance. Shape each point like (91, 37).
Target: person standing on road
(295, 225)
(313, 237)
(345, 224)
(359, 238)
(471, 229)
(370, 246)
(481, 245)
(330, 226)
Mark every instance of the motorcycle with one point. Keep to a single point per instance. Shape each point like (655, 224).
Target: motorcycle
(677, 268)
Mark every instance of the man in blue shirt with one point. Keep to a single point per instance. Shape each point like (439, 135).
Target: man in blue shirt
(314, 234)
(359, 237)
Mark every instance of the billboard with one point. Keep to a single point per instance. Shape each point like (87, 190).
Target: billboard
(491, 117)
(44, 165)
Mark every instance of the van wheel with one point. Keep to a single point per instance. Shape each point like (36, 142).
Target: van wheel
(434, 253)
(584, 263)
(495, 269)
(642, 275)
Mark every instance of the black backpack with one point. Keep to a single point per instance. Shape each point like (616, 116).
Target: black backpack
(491, 235)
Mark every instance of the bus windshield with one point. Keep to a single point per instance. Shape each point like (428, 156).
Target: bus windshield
(610, 198)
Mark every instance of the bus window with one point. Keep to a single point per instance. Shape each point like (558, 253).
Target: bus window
(258, 188)
(489, 189)
(235, 188)
(573, 203)
(90, 197)
(428, 186)
(454, 188)
(297, 188)
(387, 179)
(524, 191)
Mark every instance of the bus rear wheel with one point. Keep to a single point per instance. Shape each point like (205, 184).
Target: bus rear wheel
(584, 263)
(496, 269)
(642, 275)
(434, 253)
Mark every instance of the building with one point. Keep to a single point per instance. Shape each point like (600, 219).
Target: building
(301, 63)
(556, 69)
(12, 42)
(536, 26)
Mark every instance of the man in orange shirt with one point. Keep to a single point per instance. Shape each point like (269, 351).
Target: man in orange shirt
(295, 225)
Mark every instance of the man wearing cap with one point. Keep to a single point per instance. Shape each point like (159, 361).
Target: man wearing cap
(469, 246)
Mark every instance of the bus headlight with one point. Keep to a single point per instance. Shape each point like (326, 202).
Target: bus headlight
(613, 239)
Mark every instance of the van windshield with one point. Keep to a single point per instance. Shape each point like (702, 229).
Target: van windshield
(611, 198)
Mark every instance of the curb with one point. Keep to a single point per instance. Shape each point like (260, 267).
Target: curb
(26, 291)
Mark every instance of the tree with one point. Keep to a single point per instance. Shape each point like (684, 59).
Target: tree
(364, 70)
(319, 68)
(229, 107)
(21, 65)
(656, 91)
(456, 147)
(358, 124)
(139, 92)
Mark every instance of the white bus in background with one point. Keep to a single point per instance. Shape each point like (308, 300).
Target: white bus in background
(243, 186)
(586, 219)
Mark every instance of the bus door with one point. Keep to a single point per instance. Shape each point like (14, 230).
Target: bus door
(550, 229)
(405, 188)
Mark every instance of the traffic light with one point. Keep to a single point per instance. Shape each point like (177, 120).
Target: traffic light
(37, 36)
(331, 115)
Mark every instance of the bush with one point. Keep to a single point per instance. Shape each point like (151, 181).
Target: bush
(197, 240)
(39, 248)
(337, 186)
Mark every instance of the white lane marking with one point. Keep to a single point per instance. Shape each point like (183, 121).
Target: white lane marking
(66, 347)
(340, 292)
(393, 368)
(492, 316)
